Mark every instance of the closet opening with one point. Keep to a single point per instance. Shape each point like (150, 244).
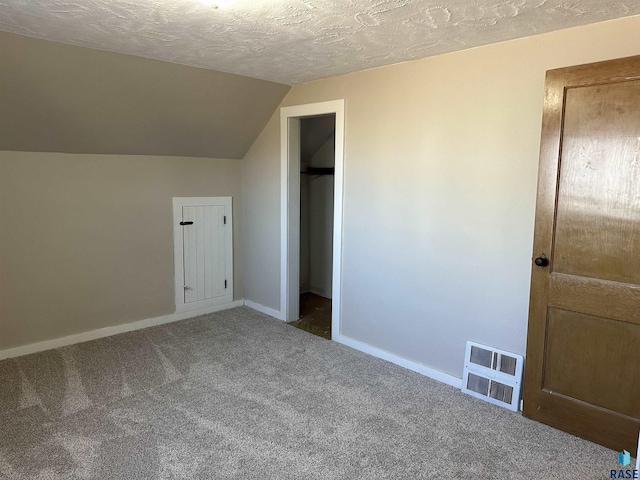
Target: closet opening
(317, 184)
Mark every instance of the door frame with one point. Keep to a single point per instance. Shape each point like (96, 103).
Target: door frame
(290, 207)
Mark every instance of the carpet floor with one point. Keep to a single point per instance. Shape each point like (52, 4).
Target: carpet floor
(238, 395)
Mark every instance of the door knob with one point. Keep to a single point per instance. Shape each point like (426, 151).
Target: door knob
(542, 261)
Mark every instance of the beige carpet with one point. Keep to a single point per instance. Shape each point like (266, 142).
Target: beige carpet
(238, 395)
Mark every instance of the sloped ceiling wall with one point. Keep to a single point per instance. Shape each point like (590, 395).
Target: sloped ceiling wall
(61, 98)
(314, 133)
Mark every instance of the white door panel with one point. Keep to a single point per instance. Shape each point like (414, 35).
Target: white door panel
(203, 245)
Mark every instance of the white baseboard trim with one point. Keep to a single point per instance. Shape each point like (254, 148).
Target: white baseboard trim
(403, 362)
(109, 331)
(323, 292)
(266, 310)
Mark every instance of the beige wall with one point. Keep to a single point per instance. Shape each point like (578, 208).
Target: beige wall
(440, 182)
(63, 98)
(86, 240)
(320, 197)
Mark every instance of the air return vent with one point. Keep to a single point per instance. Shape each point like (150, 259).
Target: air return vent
(493, 375)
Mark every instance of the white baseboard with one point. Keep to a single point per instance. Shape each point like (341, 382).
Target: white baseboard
(323, 292)
(151, 322)
(403, 362)
(109, 331)
(266, 310)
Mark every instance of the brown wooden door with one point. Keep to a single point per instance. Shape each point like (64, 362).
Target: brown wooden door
(582, 371)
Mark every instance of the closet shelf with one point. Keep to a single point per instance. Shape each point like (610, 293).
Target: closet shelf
(318, 171)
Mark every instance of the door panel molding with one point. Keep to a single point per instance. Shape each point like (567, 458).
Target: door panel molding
(601, 298)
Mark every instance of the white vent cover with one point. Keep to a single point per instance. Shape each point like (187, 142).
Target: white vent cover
(493, 375)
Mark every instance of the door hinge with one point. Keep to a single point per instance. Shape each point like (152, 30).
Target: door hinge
(186, 223)
(225, 284)
(224, 219)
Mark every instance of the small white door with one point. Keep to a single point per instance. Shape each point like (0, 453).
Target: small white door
(203, 252)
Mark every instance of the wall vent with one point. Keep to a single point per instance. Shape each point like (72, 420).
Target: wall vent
(493, 375)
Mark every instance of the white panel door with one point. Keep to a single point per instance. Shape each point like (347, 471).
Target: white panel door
(203, 244)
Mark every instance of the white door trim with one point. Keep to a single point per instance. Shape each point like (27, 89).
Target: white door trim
(290, 225)
(178, 249)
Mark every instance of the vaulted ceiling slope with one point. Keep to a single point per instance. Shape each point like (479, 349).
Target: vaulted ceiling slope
(295, 41)
(314, 133)
(63, 98)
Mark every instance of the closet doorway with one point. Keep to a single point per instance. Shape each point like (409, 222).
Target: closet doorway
(317, 173)
(312, 147)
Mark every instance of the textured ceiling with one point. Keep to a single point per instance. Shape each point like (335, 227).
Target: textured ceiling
(294, 41)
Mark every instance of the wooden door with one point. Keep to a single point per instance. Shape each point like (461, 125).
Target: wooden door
(203, 252)
(583, 350)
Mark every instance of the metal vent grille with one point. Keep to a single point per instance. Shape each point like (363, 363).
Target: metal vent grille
(493, 375)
